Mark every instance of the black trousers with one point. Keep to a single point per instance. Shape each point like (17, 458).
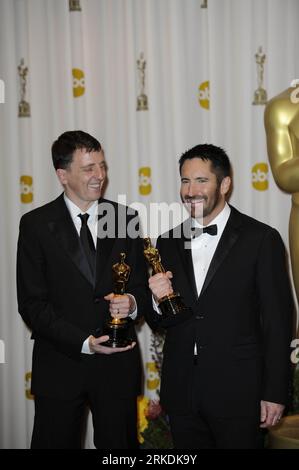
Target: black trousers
(59, 424)
(197, 431)
(201, 430)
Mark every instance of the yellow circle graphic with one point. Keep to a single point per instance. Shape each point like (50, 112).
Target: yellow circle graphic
(260, 173)
(28, 394)
(26, 189)
(78, 82)
(145, 186)
(204, 95)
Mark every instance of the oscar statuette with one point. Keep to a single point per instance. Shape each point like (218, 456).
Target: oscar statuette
(260, 94)
(24, 106)
(170, 305)
(142, 100)
(117, 328)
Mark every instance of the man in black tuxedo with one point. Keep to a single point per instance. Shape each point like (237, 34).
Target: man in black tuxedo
(66, 251)
(226, 363)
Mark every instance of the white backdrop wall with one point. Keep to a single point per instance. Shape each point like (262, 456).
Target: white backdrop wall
(184, 46)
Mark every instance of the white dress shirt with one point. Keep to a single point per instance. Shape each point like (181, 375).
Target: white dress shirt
(203, 248)
(92, 223)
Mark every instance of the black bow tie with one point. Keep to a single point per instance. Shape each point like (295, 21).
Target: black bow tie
(210, 229)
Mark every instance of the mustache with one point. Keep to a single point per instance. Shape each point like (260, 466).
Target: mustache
(195, 198)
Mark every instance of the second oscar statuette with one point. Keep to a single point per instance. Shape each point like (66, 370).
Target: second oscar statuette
(170, 305)
(117, 328)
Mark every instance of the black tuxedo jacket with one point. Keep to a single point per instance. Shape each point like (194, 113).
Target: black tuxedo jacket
(62, 304)
(241, 322)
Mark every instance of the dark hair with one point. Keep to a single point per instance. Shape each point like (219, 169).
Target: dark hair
(216, 155)
(67, 143)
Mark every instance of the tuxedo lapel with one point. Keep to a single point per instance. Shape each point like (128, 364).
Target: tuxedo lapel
(191, 275)
(65, 232)
(228, 239)
(185, 253)
(104, 249)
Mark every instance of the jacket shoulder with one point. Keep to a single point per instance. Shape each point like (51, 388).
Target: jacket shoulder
(107, 203)
(250, 224)
(43, 211)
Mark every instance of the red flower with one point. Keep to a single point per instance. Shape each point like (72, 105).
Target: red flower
(154, 410)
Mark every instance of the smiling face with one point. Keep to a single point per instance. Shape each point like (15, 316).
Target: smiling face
(84, 177)
(202, 194)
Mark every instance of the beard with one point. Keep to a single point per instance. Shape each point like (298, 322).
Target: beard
(209, 208)
(206, 207)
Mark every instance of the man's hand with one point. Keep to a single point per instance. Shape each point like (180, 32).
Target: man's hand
(271, 413)
(95, 345)
(120, 305)
(160, 284)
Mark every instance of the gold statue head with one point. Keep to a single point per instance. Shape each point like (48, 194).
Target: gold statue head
(120, 273)
(152, 256)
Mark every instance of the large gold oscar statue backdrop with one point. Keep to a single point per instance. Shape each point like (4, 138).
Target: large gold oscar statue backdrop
(282, 130)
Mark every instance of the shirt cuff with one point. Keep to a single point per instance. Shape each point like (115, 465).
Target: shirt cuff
(155, 306)
(133, 315)
(85, 347)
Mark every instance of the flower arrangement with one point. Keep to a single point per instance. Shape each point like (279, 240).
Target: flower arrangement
(153, 424)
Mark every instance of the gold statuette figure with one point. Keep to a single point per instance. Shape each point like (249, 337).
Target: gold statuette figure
(170, 304)
(260, 94)
(117, 328)
(142, 101)
(282, 130)
(74, 5)
(24, 107)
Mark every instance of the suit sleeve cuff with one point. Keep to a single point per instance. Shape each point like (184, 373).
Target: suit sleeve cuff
(155, 306)
(133, 315)
(85, 347)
